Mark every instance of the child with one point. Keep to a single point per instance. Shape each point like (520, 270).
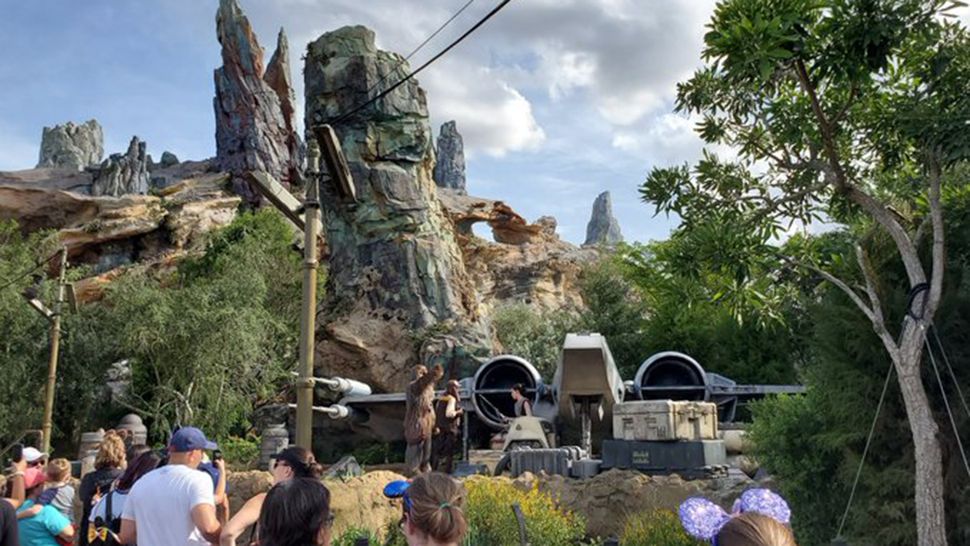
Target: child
(759, 518)
(58, 492)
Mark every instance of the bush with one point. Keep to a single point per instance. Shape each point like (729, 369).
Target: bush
(240, 453)
(657, 528)
(350, 536)
(489, 512)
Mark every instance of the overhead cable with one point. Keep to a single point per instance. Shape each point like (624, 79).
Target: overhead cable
(421, 45)
(386, 92)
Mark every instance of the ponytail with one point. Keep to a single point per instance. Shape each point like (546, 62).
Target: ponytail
(437, 503)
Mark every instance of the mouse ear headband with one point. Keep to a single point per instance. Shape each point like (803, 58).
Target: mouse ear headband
(703, 519)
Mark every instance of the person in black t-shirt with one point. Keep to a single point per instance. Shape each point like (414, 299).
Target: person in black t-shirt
(8, 525)
(108, 464)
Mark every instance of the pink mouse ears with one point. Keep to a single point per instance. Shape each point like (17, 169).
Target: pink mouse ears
(703, 519)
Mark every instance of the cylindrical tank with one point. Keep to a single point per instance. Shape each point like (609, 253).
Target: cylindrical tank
(493, 382)
(275, 439)
(671, 376)
(134, 425)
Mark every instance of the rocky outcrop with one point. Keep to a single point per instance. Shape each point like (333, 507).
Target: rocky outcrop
(168, 160)
(71, 146)
(603, 229)
(107, 233)
(356, 502)
(449, 168)
(527, 263)
(122, 174)
(397, 291)
(255, 127)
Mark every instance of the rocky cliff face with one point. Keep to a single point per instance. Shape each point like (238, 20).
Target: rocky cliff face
(71, 146)
(449, 168)
(397, 290)
(122, 174)
(254, 111)
(603, 229)
(112, 233)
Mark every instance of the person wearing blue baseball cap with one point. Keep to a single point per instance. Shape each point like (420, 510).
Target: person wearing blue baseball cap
(174, 504)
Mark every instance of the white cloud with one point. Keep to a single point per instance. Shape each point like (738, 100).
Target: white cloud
(492, 116)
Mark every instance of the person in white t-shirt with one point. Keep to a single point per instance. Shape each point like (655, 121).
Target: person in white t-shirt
(174, 505)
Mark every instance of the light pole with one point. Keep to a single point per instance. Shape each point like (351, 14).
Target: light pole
(54, 317)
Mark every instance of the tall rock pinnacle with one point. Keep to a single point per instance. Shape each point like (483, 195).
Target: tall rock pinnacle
(449, 168)
(254, 112)
(603, 227)
(395, 270)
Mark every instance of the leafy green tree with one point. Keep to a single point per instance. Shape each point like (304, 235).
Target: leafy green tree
(820, 437)
(534, 335)
(734, 316)
(215, 339)
(23, 332)
(848, 110)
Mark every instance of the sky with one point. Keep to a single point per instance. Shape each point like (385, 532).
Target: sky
(557, 100)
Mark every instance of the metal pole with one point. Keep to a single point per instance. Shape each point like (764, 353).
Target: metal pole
(304, 387)
(52, 363)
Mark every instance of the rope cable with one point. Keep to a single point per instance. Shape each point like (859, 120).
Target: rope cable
(339, 119)
(865, 452)
(421, 45)
(946, 403)
(949, 368)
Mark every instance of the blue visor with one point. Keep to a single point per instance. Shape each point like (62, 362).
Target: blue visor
(396, 489)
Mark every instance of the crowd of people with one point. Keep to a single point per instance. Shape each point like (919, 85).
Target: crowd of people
(136, 495)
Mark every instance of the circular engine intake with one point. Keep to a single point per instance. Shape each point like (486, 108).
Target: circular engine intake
(492, 383)
(671, 375)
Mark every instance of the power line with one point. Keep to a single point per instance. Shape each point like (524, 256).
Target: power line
(946, 404)
(383, 94)
(421, 45)
(862, 461)
(28, 272)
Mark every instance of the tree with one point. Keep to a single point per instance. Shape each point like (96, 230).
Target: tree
(850, 110)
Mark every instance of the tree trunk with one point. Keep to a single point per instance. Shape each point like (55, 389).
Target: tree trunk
(930, 518)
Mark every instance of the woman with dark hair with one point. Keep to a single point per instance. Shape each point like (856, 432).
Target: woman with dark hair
(105, 516)
(296, 512)
(292, 462)
(523, 406)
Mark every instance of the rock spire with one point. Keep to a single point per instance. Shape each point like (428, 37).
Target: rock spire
(449, 168)
(255, 128)
(603, 227)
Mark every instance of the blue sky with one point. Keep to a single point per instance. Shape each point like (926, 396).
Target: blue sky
(557, 100)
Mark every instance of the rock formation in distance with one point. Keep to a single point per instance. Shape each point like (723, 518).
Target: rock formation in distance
(603, 229)
(71, 146)
(122, 174)
(449, 168)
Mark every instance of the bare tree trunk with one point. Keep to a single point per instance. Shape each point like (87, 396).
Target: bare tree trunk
(930, 515)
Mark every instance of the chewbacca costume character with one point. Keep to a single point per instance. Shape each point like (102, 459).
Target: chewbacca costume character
(447, 432)
(419, 419)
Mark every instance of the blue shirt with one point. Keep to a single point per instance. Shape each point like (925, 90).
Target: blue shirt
(42, 529)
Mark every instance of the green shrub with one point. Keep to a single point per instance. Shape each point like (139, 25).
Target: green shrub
(350, 536)
(657, 528)
(240, 453)
(489, 512)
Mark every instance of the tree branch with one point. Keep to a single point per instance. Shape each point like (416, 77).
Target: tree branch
(879, 212)
(878, 321)
(939, 257)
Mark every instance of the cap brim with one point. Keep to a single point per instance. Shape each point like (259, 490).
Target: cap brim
(211, 445)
